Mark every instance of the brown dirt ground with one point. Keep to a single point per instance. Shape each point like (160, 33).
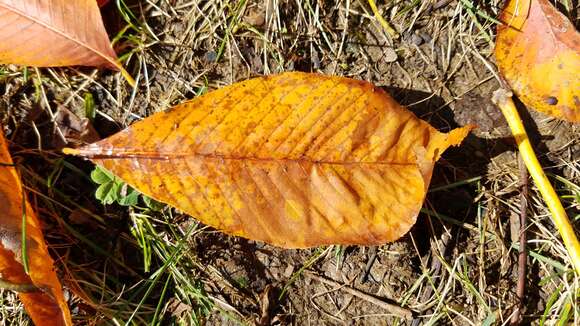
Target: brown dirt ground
(456, 272)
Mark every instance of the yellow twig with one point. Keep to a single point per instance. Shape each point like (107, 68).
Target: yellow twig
(127, 76)
(388, 28)
(503, 99)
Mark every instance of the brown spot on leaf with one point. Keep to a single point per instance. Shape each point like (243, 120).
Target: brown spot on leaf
(551, 100)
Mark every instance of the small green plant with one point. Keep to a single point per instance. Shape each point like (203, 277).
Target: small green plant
(113, 190)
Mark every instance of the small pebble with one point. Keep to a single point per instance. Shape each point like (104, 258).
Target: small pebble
(315, 60)
(416, 39)
(288, 271)
(255, 18)
(426, 37)
(389, 55)
(210, 56)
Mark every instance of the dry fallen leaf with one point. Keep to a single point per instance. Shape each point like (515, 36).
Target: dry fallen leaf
(296, 160)
(538, 53)
(51, 33)
(44, 299)
(72, 130)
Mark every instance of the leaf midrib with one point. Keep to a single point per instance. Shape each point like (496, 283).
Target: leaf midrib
(66, 36)
(119, 154)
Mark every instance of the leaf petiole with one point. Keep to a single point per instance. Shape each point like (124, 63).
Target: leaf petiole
(388, 28)
(503, 99)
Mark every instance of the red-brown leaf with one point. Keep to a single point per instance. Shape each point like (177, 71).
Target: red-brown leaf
(50, 33)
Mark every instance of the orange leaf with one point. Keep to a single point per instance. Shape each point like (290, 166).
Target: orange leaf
(51, 33)
(296, 160)
(44, 300)
(538, 53)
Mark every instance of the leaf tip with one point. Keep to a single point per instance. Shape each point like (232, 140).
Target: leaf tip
(456, 136)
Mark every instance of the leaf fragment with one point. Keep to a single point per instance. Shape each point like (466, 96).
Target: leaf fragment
(296, 160)
(538, 53)
(44, 300)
